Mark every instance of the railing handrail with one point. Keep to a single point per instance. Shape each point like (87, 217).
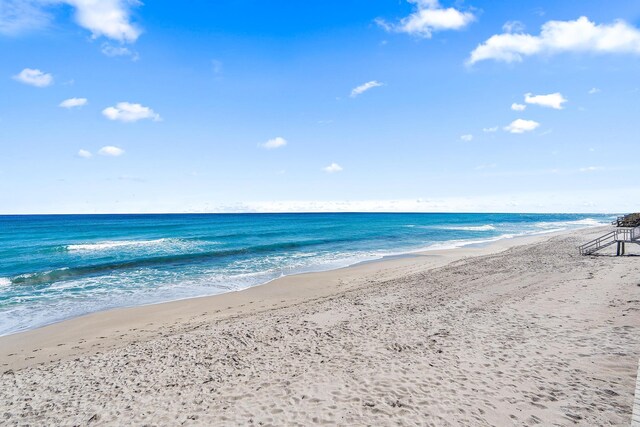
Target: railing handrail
(632, 232)
(627, 234)
(598, 240)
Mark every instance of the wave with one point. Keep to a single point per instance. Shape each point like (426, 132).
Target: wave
(486, 227)
(4, 282)
(454, 244)
(69, 273)
(586, 222)
(112, 244)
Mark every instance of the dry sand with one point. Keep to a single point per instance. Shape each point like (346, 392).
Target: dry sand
(522, 332)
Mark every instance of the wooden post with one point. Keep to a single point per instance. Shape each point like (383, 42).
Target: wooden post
(622, 249)
(618, 249)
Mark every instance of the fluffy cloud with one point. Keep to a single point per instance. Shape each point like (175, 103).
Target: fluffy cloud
(468, 137)
(594, 90)
(104, 18)
(73, 102)
(332, 168)
(34, 77)
(274, 143)
(429, 17)
(127, 112)
(111, 151)
(491, 129)
(84, 154)
(365, 87)
(108, 18)
(518, 107)
(521, 126)
(581, 35)
(552, 100)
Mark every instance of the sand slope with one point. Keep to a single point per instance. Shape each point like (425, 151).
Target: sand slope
(533, 335)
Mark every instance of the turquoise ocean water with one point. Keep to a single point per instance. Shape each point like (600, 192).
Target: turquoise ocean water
(61, 266)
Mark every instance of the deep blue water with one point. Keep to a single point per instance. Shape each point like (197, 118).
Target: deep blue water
(60, 266)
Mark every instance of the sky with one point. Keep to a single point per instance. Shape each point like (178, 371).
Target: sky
(122, 106)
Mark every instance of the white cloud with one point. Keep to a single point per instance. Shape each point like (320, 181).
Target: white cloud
(521, 126)
(556, 37)
(591, 169)
(518, 107)
(333, 168)
(104, 18)
(127, 112)
(550, 201)
(429, 17)
(274, 143)
(34, 77)
(108, 18)
(491, 129)
(111, 151)
(365, 87)
(19, 16)
(594, 90)
(113, 51)
(468, 137)
(84, 154)
(513, 27)
(73, 102)
(552, 100)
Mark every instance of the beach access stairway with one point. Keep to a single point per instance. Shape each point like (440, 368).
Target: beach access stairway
(619, 236)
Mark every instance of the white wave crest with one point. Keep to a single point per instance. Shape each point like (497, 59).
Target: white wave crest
(587, 222)
(455, 244)
(4, 282)
(486, 227)
(111, 244)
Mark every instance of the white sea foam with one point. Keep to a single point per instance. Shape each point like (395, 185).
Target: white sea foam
(4, 282)
(454, 244)
(486, 227)
(587, 222)
(111, 244)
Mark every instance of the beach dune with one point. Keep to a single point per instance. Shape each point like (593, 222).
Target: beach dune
(522, 332)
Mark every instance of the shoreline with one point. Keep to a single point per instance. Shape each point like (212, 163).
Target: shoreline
(94, 327)
(435, 247)
(521, 332)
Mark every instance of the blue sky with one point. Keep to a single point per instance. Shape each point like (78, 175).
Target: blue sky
(385, 105)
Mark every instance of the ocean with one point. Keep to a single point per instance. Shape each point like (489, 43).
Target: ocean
(55, 267)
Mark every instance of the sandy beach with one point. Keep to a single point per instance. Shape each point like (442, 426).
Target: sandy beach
(521, 332)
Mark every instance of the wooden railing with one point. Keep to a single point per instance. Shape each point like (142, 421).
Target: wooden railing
(628, 234)
(597, 244)
(621, 234)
